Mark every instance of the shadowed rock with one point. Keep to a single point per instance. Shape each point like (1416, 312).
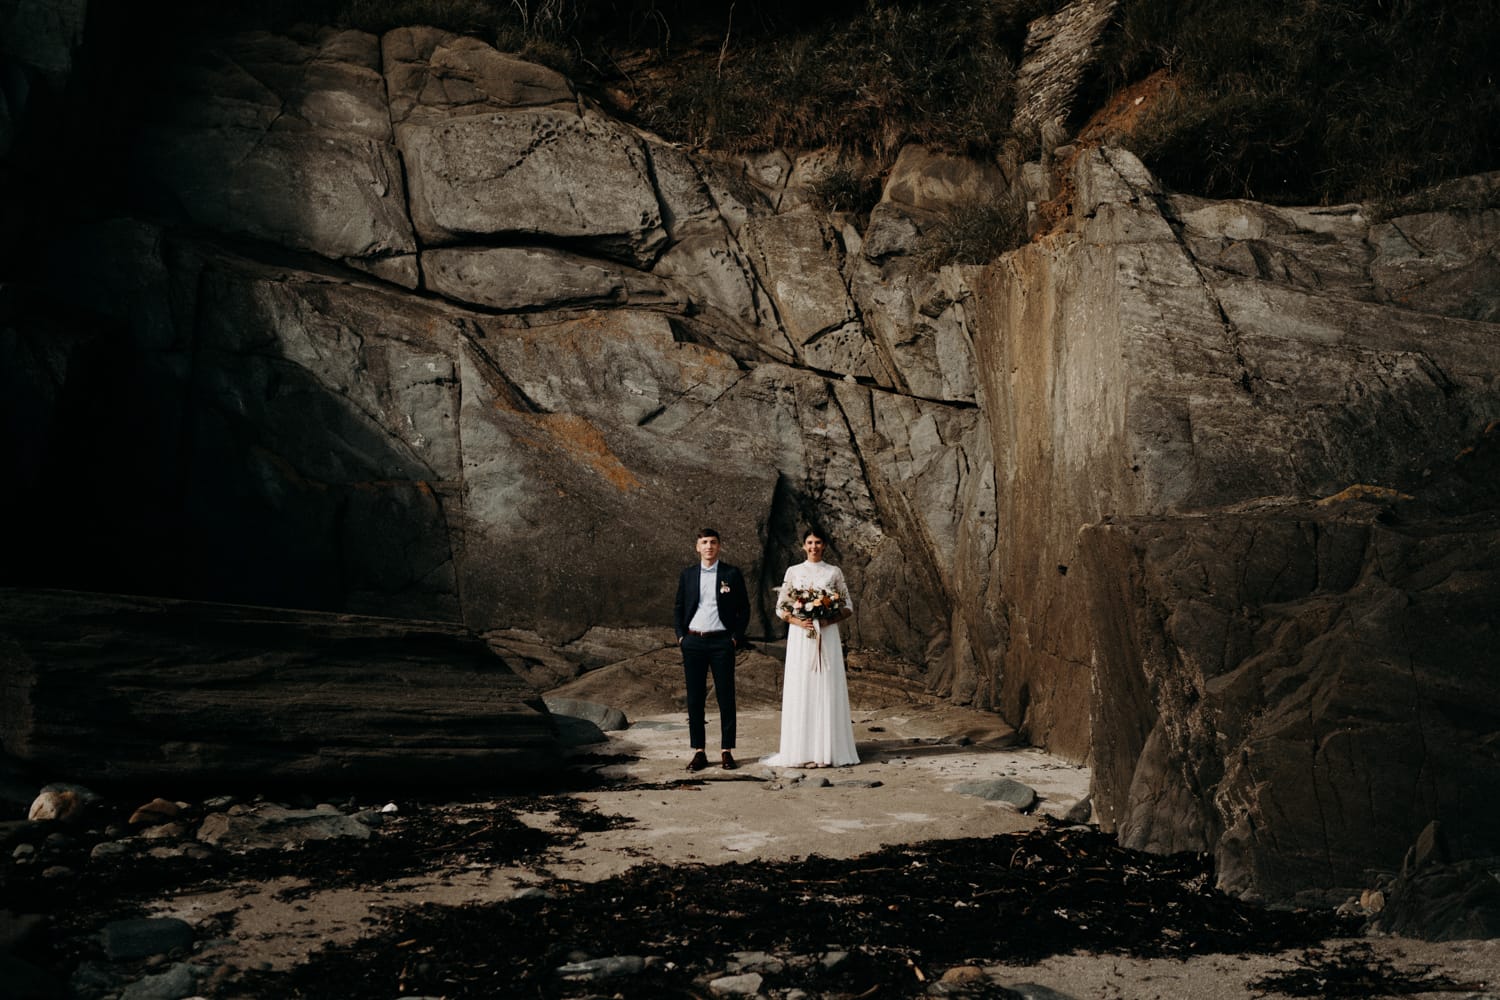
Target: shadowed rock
(132, 689)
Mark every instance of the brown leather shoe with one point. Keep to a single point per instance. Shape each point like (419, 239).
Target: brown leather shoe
(728, 763)
(699, 761)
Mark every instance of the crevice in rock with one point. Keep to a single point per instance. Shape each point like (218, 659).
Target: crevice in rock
(663, 212)
(592, 248)
(493, 374)
(783, 520)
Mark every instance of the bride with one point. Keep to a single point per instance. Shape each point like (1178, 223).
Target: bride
(815, 727)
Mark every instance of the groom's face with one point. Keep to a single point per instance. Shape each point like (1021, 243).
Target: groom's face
(708, 549)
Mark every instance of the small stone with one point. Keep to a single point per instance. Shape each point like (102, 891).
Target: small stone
(164, 831)
(93, 979)
(156, 811)
(63, 803)
(219, 802)
(23, 852)
(834, 959)
(390, 807)
(961, 974)
(532, 892)
(272, 826)
(1431, 847)
(112, 849)
(1080, 812)
(1004, 790)
(1036, 991)
(1372, 900)
(177, 982)
(747, 985)
(603, 968)
(142, 937)
(57, 871)
(756, 961)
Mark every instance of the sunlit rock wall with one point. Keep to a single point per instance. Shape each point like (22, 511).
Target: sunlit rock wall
(403, 325)
(1169, 382)
(407, 326)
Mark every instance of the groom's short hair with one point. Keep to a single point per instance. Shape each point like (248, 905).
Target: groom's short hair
(705, 533)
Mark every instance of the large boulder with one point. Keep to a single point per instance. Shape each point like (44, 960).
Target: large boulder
(132, 689)
(434, 74)
(1125, 375)
(1272, 680)
(1309, 683)
(286, 139)
(533, 172)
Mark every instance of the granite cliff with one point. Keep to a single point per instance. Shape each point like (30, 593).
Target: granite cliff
(406, 326)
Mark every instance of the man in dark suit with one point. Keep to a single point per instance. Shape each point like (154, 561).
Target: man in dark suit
(710, 616)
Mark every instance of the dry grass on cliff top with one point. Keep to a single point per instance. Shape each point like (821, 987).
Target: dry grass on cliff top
(1314, 102)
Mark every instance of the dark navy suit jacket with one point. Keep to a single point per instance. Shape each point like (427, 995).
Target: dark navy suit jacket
(734, 600)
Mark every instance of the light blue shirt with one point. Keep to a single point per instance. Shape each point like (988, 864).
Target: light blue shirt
(706, 618)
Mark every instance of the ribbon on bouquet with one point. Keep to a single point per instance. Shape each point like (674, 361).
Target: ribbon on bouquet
(818, 646)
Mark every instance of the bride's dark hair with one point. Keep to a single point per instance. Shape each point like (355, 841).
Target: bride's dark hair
(813, 531)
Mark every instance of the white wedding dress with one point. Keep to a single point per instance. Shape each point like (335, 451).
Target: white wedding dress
(815, 723)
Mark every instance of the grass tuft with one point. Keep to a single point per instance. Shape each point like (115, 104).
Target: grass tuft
(974, 233)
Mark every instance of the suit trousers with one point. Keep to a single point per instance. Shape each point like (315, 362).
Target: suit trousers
(700, 655)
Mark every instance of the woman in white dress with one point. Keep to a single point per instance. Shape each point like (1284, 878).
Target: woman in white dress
(816, 730)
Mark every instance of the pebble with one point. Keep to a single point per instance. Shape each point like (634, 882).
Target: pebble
(603, 968)
(148, 936)
(158, 810)
(755, 961)
(747, 985)
(57, 871)
(177, 982)
(23, 852)
(1081, 811)
(1036, 991)
(961, 974)
(1004, 790)
(113, 848)
(62, 802)
(532, 892)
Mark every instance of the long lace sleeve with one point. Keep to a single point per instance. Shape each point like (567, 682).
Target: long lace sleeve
(843, 588)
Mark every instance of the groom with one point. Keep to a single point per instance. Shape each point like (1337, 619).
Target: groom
(710, 616)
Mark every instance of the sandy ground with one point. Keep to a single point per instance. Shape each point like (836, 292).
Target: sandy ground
(913, 755)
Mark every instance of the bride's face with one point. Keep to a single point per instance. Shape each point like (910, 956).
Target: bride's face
(813, 546)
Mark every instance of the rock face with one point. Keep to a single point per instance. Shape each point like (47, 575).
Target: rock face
(607, 348)
(406, 326)
(1296, 687)
(129, 690)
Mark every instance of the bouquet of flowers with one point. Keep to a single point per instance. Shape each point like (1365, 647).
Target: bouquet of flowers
(810, 602)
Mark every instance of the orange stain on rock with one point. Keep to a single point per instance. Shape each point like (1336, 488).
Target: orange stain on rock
(581, 441)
